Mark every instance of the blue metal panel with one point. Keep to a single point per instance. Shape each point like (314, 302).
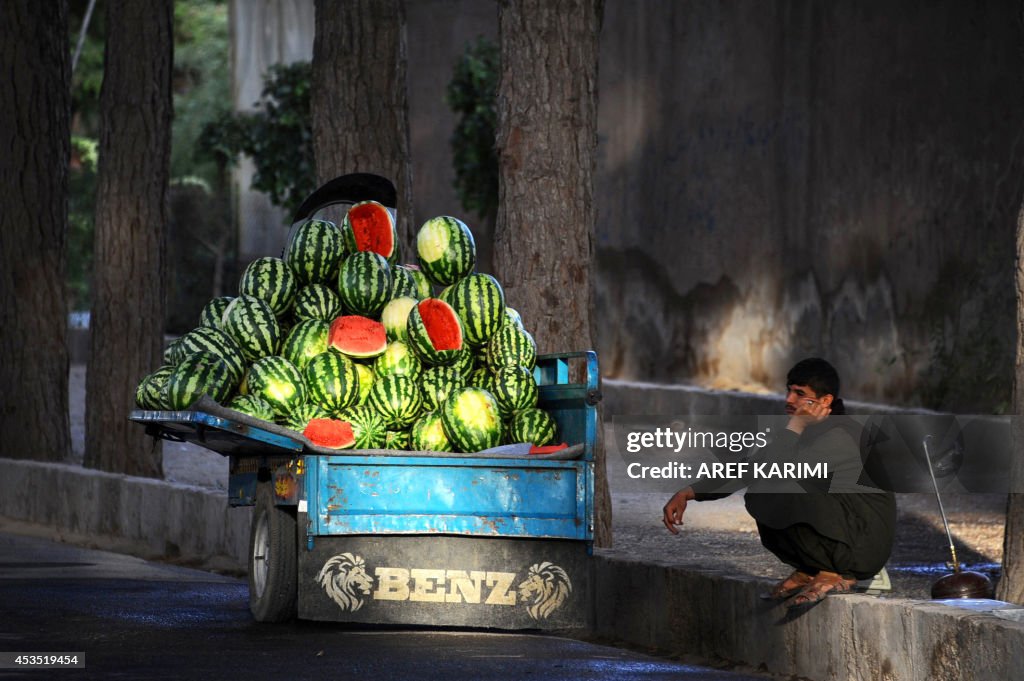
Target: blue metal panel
(417, 495)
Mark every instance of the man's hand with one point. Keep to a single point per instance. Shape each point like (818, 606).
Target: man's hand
(808, 412)
(674, 509)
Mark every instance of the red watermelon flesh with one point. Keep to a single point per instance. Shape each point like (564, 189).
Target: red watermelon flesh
(330, 433)
(357, 336)
(373, 228)
(442, 324)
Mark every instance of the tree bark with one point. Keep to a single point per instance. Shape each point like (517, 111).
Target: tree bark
(34, 136)
(547, 146)
(131, 216)
(1011, 583)
(360, 113)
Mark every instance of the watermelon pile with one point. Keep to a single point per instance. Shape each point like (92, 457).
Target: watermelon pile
(336, 340)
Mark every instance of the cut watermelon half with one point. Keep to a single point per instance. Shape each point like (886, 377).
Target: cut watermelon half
(442, 324)
(373, 228)
(357, 336)
(330, 433)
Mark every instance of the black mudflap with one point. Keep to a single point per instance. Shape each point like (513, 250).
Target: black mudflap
(447, 581)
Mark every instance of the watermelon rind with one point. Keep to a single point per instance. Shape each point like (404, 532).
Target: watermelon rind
(427, 434)
(279, 382)
(397, 399)
(251, 322)
(332, 382)
(272, 280)
(314, 251)
(445, 250)
(367, 426)
(200, 373)
(252, 405)
(357, 336)
(479, 301)
(316, 301)
(364, 283)
(471, 419)
(306, 340)
(395, 317)
(533, 425)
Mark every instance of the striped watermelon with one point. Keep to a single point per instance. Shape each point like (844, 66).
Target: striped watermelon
(212, 313)
(397, 399)
(464, 361)
(408, 280)
(514, 388)
(329, 433)
(445, 249)
(480, 303)
(511, 346)
(435, 332)
(152, 390)
(314, 251)
(316, 301)
(299, 417)
(366, 380)
(397, 439)
(364, 283)
(272, 280)
(197, 374)
(471, 420)
(481, 377)
(170, 350)
(436, 383)
(427, 434)
(513, 317)
(369, 226)
(532, 425)
(358, 337)
(252, 405)
(276, 380)
(209, 339)
(332, 382)
(395, 317)
(306, 340)
(367, 426)
(398, 359)
(253, 325)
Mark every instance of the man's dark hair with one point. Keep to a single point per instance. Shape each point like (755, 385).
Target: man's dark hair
(816, 373)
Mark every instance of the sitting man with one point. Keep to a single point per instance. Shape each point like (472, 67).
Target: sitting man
(834, 532)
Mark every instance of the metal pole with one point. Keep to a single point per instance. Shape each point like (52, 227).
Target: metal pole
(938, 497)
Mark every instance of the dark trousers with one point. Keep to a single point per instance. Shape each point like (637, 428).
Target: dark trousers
(809, 551)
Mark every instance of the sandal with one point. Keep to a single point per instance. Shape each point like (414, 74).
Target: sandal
(823, 584)
(789, 586)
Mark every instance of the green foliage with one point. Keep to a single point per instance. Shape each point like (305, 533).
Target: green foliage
(81, 208)
(278, 136)
(471, 95)
(202, 91)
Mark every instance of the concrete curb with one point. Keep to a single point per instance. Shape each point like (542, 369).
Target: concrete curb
(712, 617)
(140, 516)
(700, 615)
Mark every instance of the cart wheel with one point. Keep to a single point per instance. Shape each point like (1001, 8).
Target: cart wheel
(273, 559)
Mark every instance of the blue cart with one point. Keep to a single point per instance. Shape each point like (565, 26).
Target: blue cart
(498, 539)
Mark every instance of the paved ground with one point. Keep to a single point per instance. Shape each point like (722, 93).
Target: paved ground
(718, 536)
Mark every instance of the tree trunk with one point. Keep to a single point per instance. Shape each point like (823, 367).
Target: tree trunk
(131, 216)
(34, 136)
(547, 145)
(1011, 584)
(360, 114)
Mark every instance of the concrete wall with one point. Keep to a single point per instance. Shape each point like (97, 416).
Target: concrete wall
(778, 179)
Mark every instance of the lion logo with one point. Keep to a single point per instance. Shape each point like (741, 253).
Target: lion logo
(343, 577)
(545, 589)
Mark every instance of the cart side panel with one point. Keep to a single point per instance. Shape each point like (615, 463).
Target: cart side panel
(469, 496)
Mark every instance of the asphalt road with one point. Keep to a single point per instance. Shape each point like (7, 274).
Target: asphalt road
(130, 619)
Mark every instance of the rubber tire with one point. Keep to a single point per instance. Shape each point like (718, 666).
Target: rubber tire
(273, 559)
